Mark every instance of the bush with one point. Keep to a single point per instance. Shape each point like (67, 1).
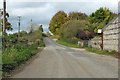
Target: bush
(17, 50)
(16, 55)
(106, 51)
(74, 30)
(113, 52)
(90, 46)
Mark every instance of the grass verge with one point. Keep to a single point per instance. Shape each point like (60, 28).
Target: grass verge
(16, 55)
(90, 49)
(103, 52)
(68, 44)
(54, 37)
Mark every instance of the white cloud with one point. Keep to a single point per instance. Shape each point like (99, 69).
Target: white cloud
(63, 0)
(42, 12)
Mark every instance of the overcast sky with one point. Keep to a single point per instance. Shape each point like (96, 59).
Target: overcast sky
(41, 11)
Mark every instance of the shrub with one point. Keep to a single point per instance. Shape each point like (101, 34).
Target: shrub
(90, 46)
(17, 51)
(16, 55)
(74, 30)
(113, 52)
(106, 51)
(8, 60)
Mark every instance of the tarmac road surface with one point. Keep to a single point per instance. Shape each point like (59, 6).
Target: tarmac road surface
(57, 61)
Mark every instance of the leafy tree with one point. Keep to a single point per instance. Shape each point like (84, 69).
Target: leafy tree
(100, 26)
(85, 35)
(74, 30)
(8, 27)
(48, 34)
(23, 33)
(0, 21)
(102, 17)
(77, 16)
(40, 28)
(57, 20)
(8, 24)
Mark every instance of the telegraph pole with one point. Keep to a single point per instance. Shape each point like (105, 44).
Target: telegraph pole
(31, 24)
(4, 16)
(4, 26)
(19, 26)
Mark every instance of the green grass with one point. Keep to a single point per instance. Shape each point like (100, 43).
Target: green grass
(68, 44)
(98, 51)
(102, 52)
(54, 37)
(17, 50)
(90, 49)
(16, 55)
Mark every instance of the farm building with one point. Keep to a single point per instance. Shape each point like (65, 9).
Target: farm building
(111, 35)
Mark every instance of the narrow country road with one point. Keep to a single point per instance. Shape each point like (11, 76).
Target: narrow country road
(57, 61)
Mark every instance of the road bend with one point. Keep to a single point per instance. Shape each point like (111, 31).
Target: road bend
(57, 61)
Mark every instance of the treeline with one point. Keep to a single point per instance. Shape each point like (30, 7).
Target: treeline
(76, 26)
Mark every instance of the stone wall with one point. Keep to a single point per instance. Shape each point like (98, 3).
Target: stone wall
(110, 36)
(96, 42)
(119, 34)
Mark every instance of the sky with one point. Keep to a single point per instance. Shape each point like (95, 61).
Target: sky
(41, 11)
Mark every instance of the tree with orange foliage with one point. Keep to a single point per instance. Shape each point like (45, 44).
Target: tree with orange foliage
(57, 20)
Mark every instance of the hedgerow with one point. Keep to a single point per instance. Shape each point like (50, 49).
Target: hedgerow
(16, 55)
